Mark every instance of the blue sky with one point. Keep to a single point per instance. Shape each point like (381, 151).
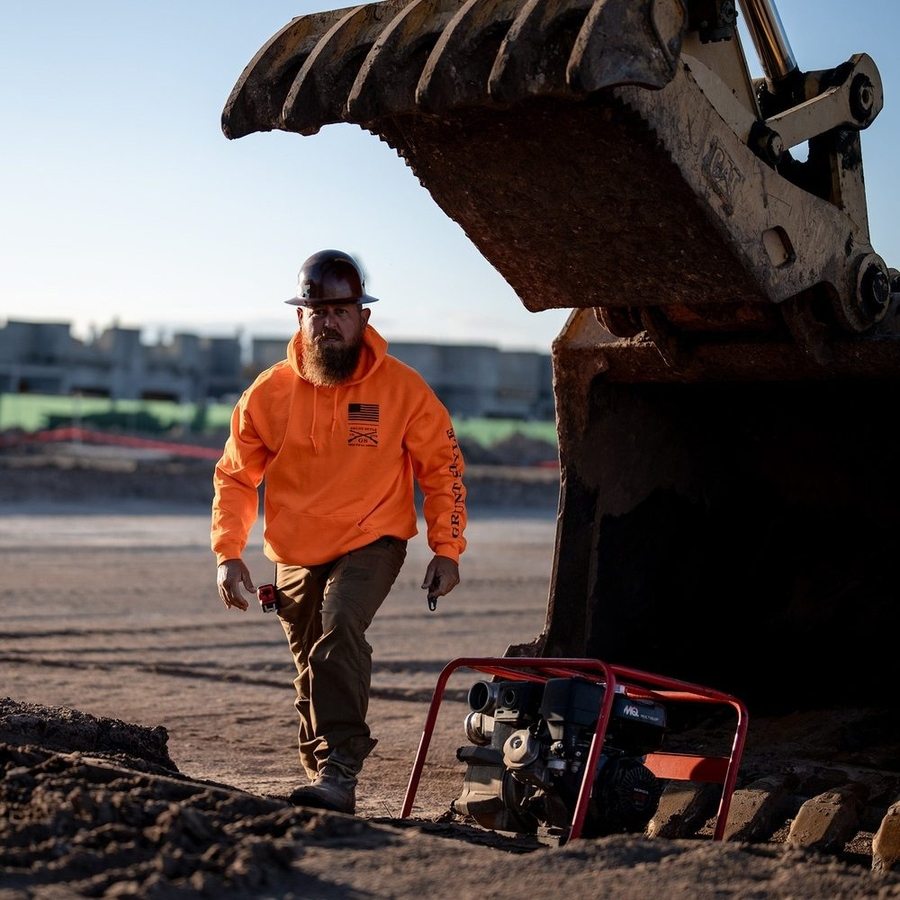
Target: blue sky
(120, 199)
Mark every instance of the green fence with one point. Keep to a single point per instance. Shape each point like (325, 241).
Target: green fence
(34, 412)
(488, 432)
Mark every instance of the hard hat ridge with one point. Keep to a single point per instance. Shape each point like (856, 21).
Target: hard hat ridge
(330, 276)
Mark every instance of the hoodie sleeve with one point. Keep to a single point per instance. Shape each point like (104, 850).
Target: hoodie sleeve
(438, 467)
(236, 480)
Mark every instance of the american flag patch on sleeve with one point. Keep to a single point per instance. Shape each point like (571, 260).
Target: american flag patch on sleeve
(362, 412)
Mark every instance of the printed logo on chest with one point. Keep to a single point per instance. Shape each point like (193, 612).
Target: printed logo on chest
(363, 421)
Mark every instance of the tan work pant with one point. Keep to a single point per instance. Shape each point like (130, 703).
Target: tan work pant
(325, 611)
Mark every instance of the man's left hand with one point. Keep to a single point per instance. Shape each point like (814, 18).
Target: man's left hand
(441, 576)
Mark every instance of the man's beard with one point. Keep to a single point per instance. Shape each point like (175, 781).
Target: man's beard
(328, 364)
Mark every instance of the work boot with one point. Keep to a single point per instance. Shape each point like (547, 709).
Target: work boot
(331, 789)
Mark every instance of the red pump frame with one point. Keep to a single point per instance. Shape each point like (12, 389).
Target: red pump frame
(635, 683)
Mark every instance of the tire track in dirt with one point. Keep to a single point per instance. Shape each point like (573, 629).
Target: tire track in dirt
(201, 672)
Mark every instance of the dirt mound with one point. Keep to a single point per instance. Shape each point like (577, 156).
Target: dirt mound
(74, 474)
(515, 450)
(102, 829)
(85, 824)
(116, 818)
(506, 478)
(68, 730)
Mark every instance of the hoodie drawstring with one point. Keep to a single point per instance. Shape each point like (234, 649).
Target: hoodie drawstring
(334, 417)
(312, 427)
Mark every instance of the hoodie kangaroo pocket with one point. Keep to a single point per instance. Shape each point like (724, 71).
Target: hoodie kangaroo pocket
(298, 538)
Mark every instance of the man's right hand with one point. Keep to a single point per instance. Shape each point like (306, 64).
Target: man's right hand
(230, 576)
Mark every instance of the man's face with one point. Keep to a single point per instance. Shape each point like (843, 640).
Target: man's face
(332, 337)
(334, 323)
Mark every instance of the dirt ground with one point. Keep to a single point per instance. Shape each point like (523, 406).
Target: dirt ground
(178, 786)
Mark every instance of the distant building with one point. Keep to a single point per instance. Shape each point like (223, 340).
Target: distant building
(265, 352)
(481, 381)
(44, 358)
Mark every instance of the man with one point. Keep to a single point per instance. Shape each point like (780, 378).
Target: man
(338, 431)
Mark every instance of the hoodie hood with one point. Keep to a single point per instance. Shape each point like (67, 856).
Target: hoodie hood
(372, 354)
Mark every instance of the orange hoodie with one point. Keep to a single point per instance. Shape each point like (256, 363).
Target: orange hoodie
(338, 462)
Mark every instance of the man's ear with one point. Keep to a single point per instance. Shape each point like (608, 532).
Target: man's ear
(364, 315)
(299, 315)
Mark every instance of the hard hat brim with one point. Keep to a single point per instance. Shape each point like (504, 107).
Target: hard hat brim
(301, 301)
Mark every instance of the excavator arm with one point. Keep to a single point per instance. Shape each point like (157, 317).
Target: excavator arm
(725, 382)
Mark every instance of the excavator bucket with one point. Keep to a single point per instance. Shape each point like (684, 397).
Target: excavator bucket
(726, 381)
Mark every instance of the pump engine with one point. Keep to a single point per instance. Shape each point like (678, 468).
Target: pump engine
(529, 743)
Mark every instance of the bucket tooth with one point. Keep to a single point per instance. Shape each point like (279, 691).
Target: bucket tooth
(256, 100)
(623, 42)
(386, 83)
(456, 73)
(318, 95)
(534, 55)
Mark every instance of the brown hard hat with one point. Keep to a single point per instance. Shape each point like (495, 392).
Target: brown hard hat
(330, 276)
